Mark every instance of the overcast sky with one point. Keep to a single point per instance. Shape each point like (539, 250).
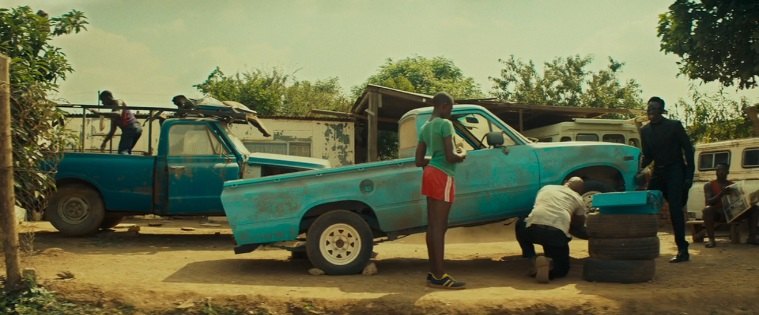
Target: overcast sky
(147, 51)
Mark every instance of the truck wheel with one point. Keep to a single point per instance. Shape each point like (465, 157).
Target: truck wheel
(593, 187)
(638, 248)
(339, 243)
(622, 225)
(110, 220)
(76, 210)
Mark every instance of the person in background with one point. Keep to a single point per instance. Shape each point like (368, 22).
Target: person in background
(559, 213)
(665, 143)
(713, 192)
(123, 118)
(436, 141)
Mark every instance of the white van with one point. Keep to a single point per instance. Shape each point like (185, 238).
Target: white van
(589, 129)
(743, 157)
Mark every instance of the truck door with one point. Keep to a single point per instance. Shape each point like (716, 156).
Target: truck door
(198, 163)
(492, 183)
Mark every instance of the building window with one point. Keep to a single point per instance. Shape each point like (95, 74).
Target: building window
(278, 147)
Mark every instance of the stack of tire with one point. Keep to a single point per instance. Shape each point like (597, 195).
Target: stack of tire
(622, 243)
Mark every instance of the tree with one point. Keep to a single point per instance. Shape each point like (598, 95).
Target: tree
(566, 82)
(36, 138)
(274, 93)
(36, 68)
(424, 75)
(716, 40)
(714, 117)
(303, 96)
(419, 75)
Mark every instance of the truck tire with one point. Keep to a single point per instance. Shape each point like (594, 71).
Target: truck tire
(619, 271)
(75, 210)
(110, 220)
(622, 225)
(339, 243)
(624, 248)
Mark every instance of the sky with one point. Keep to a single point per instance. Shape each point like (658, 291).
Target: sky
(147, 51)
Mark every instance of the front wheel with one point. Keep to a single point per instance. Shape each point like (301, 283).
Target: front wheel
(593, 187)
(76, 210)
(339, 243)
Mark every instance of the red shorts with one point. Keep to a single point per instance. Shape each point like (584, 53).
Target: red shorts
(436, 184)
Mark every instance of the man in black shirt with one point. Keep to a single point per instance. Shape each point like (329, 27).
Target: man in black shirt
(667, 145)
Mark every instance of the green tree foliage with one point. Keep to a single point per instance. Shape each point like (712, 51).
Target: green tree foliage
(419, 75)
(716, 40)
(566, 82)
(424, 75)
(274, 93)
(36, 68)
(302, 96)
(714, 117)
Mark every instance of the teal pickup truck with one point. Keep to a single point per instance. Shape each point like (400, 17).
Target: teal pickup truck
(343, 211)
(195, 156)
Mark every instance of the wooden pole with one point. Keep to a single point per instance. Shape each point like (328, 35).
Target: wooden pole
(372, 113)
(7, 197)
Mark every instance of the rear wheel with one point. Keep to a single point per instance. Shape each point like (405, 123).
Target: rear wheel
(339, 243)
(76, 210)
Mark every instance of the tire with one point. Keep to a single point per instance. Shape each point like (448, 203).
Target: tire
(339, 243)
(640, 248)
(622, 225)
(619, 271)
(110, 220)
(593, 187)
(76, 210)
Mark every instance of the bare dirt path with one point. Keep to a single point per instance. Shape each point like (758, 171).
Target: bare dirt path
(164, 267)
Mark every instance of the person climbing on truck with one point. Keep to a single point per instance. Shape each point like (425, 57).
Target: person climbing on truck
(436, 155)
(123, 118)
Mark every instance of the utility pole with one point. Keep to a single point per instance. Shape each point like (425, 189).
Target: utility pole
(7, 197)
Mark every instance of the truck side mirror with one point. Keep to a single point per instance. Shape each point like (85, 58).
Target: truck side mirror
(495, 139)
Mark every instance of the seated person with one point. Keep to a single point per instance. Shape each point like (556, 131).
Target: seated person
(713, 212)
(558, 211)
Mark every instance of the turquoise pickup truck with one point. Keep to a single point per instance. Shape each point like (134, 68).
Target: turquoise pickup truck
(342, 212)
(195, 156)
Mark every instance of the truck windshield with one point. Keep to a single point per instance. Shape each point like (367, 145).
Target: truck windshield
(239, 146)
(473, 127)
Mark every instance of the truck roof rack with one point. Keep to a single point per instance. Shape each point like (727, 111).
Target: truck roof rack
(222, 112)
(226, 111)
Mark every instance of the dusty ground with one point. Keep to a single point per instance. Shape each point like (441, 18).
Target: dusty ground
(164, 267)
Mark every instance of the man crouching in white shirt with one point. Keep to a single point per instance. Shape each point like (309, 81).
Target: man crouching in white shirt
(558, 210)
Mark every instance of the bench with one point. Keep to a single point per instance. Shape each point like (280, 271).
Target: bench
(698, 231)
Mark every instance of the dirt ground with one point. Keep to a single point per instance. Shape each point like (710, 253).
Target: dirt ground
(165, 267)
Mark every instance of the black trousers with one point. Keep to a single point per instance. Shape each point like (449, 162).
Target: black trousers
(671, 181)
(555, 245)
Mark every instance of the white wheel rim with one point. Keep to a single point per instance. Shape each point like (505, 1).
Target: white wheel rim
(340, 244)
